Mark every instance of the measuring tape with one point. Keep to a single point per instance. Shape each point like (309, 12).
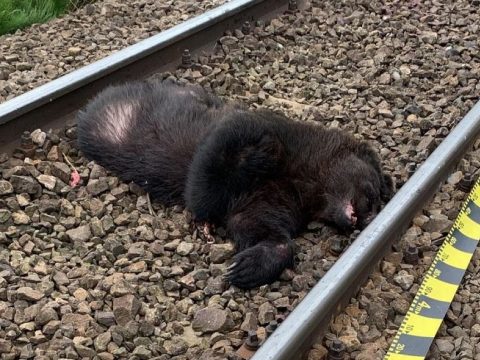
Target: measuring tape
(426, 313)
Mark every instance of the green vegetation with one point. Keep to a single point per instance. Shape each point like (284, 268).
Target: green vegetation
(17, 14)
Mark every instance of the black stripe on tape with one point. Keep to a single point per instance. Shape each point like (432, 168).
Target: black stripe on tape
(474, 211)
(447, 273)
(464, 243)
(414, 345)
(431, 308)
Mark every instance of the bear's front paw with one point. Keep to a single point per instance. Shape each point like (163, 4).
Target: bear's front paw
(260, 264)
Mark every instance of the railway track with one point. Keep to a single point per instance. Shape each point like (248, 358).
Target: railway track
(54, 105)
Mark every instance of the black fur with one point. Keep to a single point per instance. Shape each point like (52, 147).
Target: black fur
(258, 173)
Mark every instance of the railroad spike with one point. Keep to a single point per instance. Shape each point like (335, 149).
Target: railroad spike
(337, 244)
(27, 147)
(411, 167)
(271, 327)
(249, 346)
(442, 132)
(279, 318)
(411, 255)
(252, 342)
(40, 154)
(18, 153)
(292, 5)
(26, 141)
(246, 27)
(465, 184)
(336, 350)
(186, 59)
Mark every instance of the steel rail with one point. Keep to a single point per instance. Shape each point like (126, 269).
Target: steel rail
(294, 337)
(54, 102)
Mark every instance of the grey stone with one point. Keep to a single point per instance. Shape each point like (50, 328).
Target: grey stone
(429, 37)
(48, 181)
(38, 137)
(85, 352)
(25, 184)
(61, 171)
(427, 143)
(29, 294)
(249, 322)
(404, 279)
(142, 352)
(121, 287)
(269, 85)
(125, 308)
(455, 178)
(475, 330)
(212, 319)
(97, 186)
(221, 252)
(5, 187)
(106, 318)
(79, 322)
(5, 215)
(51, 327)
(19, 218)
(184, 248)
(74, 51)
(81, 233)
(102, 340)
(445, 346)
(45, 315)
(214, 286)
(188, 282)
(176, 346)
(400, 305)
(97, 172)
(5, 346)
(266, 313)
(438, 223)
(300, 283)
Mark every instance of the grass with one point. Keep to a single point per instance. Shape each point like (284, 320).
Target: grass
(18, 14)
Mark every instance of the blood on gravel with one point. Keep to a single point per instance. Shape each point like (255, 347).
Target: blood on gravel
(75, 178)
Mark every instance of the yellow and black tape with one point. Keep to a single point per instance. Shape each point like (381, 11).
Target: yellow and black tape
(428, 308)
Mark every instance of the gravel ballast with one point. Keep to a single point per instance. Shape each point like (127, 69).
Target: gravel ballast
(88, 271)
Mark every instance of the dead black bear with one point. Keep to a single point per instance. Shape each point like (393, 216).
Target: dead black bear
(258, 173)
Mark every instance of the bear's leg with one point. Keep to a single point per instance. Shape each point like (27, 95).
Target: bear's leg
(261, 264)
(262, 226)
(237, 156)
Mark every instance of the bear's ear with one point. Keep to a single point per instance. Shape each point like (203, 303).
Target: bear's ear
(369, 155)
(386, 190)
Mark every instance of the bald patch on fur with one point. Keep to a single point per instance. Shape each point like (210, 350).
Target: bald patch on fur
(119, 118)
